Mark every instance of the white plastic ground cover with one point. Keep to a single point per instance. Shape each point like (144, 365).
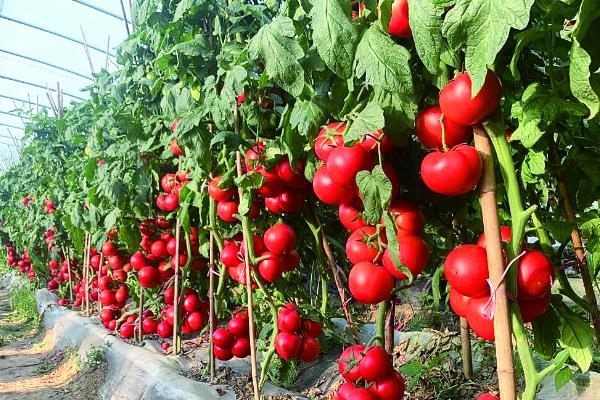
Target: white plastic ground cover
(134, 373)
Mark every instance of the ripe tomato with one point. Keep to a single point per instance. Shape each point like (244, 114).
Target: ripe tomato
(254, 156)
(344, 163)
(175, 149)
(505, 234)
(122, 294)
(164, 329)
(362, 394)
(227, 210)
(272, 184)
(399, 25)
(452, 172)
(532, 310)
(259, 245)
(457, 103)
(280, 238)
(159, 249)
(218, 194)
(119, 275)
(369, 283)
(328, 191)
(149, 326)
(344, 391)
(241, 347)
(115, 262)
(534, 276)
(487, 396)
(329, 138)
(311, 328)
(171, 202)
(126, 330)
(238, 325)
(350, 217)
(348, 362)
(273, 205)
(371, 142)
(429, 129)
(137, 261)
(291, 260)
(375, 364)
(271, 268)
(168, 182)
(458, 303)
(309, 349)
(191, 302)
(290, 201)
(222, 354)
(391, 387)
(287, 345)
(363, 245)
(149, 277)
(147, 227)
(106, 314)
(223, 338)
(146, 243)
(408, 217)
(289, 319)
(195, 321)
(292, 177)
(466, 270)
(109, 249)
(480, 317)
(229, 255)
(413, 253)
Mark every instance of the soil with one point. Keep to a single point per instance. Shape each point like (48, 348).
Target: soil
(30, 369)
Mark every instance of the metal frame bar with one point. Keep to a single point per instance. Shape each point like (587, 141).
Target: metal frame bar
(23, 101)
(8, 137)
(60, 35)
(37, 85)
(45, 63)
(12, 126)
(102, 10)
(14, 115)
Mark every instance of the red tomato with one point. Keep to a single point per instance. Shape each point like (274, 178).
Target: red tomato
(168, 182)
(159, 249)
(254, 156)
(164, 329)
(287, 345)
(222, 354)
(280, 238)
(348, 362)
(272, 184)
(457, 103)
(223, 338)
(195, 321)
(505, 234)
(452, 172)
(350, 216)
(191, 302)
(105, 282)
(413, 253)
(162, 222)
(227, 210)
(122, 294)
(329, 138)
(119, 275)
(458, 303)
(271, 268)
(149, 326)
(273, 205)
(369, 283)
(126, 330)
(534, 276)
(375, 364)
(480, 317)
(408, 217)
(137, 261)
(171, 202)
(115, 262)
(238, 325)
(391, 387)
(311, 328)
(259, 245)
(175, 149)
(229, 255)
(218, 194)
(429, 129)
(109, 249)
(487, 396)
(291, 260)
(149, 277)
(289, 319)
(532, 310)
(107, 297)
(371, 142)
(392, 175)
(399, 25)
(292, 177)
(309, 349)
(290, 201)
(241, 347)
(344, 391)
(466, 270)
(330, 192)
(106, 314)
(362, 394)
(345, 162)
(363, 245)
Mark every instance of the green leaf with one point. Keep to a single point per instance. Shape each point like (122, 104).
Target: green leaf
(382, 62)
(385, 13)
(584, 86)
(370, 119)
(400, 112)
(393, 246)
(577, 336)
(110, 221)
(334, 35)
(562, 377)
(426, 25)
(546, 334)
(482, 26)
(198, 46)
(376, 191)
(277, 46)
(523, 39)
(536, 161)
(306, 117)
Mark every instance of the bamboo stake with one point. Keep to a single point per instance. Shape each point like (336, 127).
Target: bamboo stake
(211, 305)
(491, 225)
(176, 341)
(389, 327)
(465, 348)
(87, 52)
(84, 274)
(87, 274)
(69, 272)
(107, 53)
(99, 275)
(125, 18)
(246, 240)
(577, 242)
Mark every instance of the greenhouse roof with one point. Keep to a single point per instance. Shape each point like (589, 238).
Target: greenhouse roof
(42, 47)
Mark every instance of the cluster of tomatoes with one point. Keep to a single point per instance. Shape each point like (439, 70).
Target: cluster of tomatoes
(23, 262)
(232, 340)
(49, 206)
(471, 294)
(192, 311)
(297, 337)
(453, 167)
(369, 375)
(171, 183)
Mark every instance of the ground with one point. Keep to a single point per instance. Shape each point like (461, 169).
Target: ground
(31, 370)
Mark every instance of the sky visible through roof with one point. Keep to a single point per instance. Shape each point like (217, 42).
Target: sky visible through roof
(66, 17)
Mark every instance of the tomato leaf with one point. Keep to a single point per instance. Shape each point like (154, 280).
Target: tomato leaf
(382, 62)
(562, 377)
(369, 120)
(276, 45)
(483, 27)
(576, 336)
(393, 246)
(426, 25)
(546, 333)
(376, 191)
(385, 13)
(334, 35)
(306, 117)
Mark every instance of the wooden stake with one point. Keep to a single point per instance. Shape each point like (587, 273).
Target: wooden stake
(99, 275)
(84, 275)
(590, 295)
(390, 324)
(465, 348)
(87, 52)
(246, 240)
(211, 305)
(69, 272)
(502, 326)
(176, 339)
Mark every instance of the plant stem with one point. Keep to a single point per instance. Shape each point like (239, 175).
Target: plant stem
(380, 322)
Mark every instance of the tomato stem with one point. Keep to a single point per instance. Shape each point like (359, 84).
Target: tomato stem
(380, 322)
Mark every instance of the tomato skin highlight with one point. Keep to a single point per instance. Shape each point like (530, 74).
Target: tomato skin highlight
(466, 270)
(369, 283)
(399, 21)
(453, 172)
(429, 129)
(457, 104)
